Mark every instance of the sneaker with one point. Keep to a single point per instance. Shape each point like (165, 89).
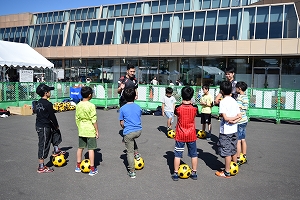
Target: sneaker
(131, 174)
(222, 174)
(58, 152)
(137, 156)
(194, 175)
(92, 173)
(168, 129)
(77, 169)
(45, 169)
(175, 176)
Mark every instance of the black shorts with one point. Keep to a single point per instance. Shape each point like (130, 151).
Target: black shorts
(205, 118)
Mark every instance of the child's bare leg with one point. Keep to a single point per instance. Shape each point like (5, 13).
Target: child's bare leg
(234, 158)
(244, 146)
(227, 163)
(194, 163)
(79, 155)
(238, 148)
(92, 157)
(203, 127)
(176, 164)
(169, 122)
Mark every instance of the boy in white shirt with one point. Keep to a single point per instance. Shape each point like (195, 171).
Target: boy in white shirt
(227, 144)
(168, 106)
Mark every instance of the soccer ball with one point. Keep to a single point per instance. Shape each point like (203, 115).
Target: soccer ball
(184, 171)
(85, 165)
(201, 134)
(59, 160)
(234, 168)
(171, 134)
(243, 159)
(139, 164)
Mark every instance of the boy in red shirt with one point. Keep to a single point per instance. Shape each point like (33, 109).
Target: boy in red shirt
(186, 132)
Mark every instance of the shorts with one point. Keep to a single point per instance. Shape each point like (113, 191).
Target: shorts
(179, 148)
(169, 115)
(87, 142)
(205, 118)
(227, 144)
(242, 131)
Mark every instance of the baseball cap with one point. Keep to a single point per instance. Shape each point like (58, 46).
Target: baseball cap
(42, 88)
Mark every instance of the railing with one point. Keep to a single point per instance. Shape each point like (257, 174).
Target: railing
(278, 104)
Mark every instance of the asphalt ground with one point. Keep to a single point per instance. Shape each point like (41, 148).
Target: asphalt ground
(272, 171)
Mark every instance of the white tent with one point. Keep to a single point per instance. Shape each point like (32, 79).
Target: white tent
(21, 55)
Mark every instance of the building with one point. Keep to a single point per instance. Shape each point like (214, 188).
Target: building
(191, 40)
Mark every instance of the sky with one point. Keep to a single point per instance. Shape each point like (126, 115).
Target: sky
(8, 7)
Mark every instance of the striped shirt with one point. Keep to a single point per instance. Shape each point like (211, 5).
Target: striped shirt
(186, 128)
(243, 103)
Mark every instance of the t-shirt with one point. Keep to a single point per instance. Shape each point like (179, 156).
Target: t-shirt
(131, 114)
(129, 83)
(85, 117)
(45, 116)
(208, 99)
(243, 102)
(186, 128)
(229, 106)
(169, 103)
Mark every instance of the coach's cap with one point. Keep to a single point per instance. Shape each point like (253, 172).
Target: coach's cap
(42, 89)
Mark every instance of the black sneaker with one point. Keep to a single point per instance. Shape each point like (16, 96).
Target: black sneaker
(194, 175)
(175, 176)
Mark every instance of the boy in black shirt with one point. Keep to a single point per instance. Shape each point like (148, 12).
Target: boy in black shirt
(46, 127)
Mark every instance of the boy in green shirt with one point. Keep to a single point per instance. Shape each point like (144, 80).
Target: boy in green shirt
(86, 121)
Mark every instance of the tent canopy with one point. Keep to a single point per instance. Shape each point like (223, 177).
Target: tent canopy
(21, 55)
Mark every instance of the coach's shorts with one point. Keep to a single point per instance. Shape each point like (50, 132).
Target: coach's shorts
(86, 142)
(169, 115)
(205, 118)
(179, 148)
(242, 131)
(227, 144)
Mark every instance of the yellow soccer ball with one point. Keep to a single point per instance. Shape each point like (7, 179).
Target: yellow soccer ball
(184, 171)
(85, 166)
(234, 168)
(201, 134)
(243, 159)
(59, 160)
(171, 134)
(139, 164)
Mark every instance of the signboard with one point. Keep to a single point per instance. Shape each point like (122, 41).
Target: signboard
(26, 75)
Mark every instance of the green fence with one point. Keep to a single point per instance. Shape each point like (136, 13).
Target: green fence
(278, 104)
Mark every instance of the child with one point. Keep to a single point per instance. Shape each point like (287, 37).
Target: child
(130, 121)
(206, 101)
(243, 102)
(228, 128)
(86, 121)
(168, 106)
(186, 132)
(47, 127)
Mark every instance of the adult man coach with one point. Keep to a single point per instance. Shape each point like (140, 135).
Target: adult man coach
(127, 81)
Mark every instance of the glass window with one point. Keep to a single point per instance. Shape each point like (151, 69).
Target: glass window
(216, 3)
(138, 9)
(244, 2)
(222, 32)
(109, 32)
(176, 28)
(48, 35)
(206, 4)
(262, 23)
(23, 38)
(290, 22)
(55, 17)
(100, 32)
(110, 11)
(187, 30)
(146, 29)
(2, 33)
(154, 8)
(93, 31)
(155, 32)
(210, 28)
(163, 6)
(39, 18)
(127, 30)
(78, 14)
(72, 15)
(55, 35)
(165, 28)
(77, 34)
(199, 26)
(41, 37)
(225, 3)
(136, 30)
(131, 9)
(17, 34)
(276, 17)
(61, 34)
(249, 18)
(187, 5)
(50, 17)
(12, 34)
(118, 10)
(124, 9)
(235, 3)
(85, 32)
(91, 13)
(233, 29)
(179, 5)
(171, 6)
(84, 14)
